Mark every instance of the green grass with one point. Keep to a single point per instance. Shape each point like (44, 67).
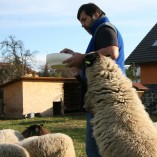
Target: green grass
(71, 124)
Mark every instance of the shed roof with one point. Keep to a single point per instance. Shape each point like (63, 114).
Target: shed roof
(139, 86)
(42, 79)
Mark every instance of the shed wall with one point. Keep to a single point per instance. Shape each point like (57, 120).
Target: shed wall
(38, 97)
(13, 100)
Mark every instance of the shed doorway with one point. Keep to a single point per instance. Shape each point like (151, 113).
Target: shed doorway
(57, 108)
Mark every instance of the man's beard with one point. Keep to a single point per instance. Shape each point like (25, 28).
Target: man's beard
(89, 28)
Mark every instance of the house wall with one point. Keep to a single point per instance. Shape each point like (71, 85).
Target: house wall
(148, 74)
(149, 79)
(13, 100)
(38, 97)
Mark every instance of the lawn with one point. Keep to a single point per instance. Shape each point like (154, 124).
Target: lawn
(72, 124)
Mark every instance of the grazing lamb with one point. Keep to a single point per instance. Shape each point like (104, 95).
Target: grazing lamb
(121, 126)
(50, 145)
(12, 150)
(35, 130)
(10, 136)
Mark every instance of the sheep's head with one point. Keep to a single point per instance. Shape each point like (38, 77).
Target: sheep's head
(91, 58)
(100, 68)
(35, 130)
(93, 64)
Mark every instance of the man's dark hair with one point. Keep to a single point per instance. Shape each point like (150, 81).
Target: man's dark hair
(90, 9)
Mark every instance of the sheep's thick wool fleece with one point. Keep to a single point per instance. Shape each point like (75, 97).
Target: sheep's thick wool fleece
(49, 145)
(10, 136)
(121, 126)
(12, 150)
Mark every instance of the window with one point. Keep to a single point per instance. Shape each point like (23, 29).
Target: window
(155, 43)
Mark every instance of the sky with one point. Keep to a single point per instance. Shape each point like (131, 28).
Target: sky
(48, 26)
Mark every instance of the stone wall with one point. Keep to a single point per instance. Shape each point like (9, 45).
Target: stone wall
(149, 99)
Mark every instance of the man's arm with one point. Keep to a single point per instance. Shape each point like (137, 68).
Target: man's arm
(111, 51)
(106, 42)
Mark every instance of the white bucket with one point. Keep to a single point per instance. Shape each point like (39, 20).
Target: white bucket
(57, 58)
(31, 115)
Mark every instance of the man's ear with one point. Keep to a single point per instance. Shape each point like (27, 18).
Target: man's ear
(96, 15)
(90, 59)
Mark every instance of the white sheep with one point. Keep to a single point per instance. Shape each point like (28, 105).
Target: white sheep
(12, 150)
(49, 145)
(121, 126)
(10, 136)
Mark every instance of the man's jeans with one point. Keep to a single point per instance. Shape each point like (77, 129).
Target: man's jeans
(91, 147)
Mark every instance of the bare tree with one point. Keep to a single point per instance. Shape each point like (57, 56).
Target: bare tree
(16, 57)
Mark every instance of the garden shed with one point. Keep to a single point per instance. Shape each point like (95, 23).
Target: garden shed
(40, 95)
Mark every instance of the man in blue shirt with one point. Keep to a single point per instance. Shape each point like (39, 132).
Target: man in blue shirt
(107, 40)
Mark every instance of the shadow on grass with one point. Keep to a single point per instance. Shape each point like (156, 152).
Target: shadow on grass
(40, 121)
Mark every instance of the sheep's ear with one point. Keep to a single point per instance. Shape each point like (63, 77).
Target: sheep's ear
(90, 59)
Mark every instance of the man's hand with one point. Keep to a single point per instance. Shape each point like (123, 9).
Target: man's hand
(75, 61)
(67, 51)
